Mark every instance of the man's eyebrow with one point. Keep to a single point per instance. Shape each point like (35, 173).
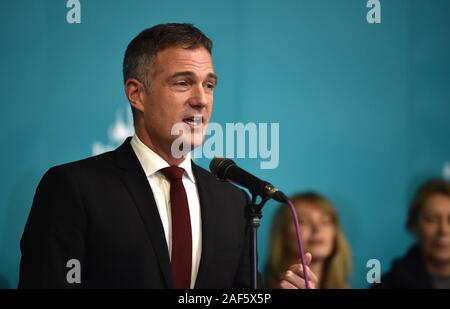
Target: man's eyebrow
(184, 74)
(192, 75)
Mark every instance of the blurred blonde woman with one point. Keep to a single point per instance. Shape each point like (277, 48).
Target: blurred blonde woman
(322, 237)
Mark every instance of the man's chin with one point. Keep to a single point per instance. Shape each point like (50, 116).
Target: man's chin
(195, 144)
(195, 139)
(441, 257)
(185, 144)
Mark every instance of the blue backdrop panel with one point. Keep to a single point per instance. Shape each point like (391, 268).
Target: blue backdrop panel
(364, 109)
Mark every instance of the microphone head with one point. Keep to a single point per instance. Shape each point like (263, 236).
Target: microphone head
(219, 167)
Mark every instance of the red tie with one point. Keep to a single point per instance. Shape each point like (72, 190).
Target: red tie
(181, 261)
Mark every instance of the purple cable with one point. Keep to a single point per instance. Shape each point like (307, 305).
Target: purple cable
(299, 241)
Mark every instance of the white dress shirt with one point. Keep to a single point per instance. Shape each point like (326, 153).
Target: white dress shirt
(152, 163)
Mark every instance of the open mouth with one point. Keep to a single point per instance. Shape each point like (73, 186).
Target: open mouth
(193, 120)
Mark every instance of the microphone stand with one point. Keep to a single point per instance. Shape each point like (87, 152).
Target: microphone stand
(254, 219)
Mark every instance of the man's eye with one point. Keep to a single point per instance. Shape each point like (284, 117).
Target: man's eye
(181, 83)
(430, 219)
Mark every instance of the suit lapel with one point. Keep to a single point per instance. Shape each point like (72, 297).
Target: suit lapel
(208, 222)
(136, 182)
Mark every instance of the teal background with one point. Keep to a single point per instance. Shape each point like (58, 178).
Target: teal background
(364, 109)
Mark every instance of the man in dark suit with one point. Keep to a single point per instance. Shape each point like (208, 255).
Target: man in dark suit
(144, 215)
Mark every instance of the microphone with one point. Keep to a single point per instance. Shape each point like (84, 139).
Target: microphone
(226, 170)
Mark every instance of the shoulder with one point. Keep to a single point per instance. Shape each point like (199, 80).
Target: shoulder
(88, 167)
(406, 272)
(78, 176)
(94, 163)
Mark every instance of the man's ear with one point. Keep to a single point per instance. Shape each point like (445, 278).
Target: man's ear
(135, 92)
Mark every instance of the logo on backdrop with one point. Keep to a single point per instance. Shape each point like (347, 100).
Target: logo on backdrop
(117, 133)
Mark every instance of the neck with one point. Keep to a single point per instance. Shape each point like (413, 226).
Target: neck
(165, 154)
(437, 268)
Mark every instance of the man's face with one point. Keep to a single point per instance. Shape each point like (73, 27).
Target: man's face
(434, 228)
(181, 90)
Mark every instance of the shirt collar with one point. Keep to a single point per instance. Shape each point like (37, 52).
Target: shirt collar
(152, 162)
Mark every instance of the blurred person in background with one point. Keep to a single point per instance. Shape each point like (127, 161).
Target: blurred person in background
(426, 265)
(322, 237)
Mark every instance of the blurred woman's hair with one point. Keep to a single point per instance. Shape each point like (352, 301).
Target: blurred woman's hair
(427, 190)
(337, 267)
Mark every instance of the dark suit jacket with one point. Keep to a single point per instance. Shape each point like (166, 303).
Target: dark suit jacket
(101, 211)
(407, 272)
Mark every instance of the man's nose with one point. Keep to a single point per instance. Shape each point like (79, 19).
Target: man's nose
(198, 98)
(315, 227)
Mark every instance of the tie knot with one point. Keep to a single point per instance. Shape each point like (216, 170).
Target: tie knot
(173, 172)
